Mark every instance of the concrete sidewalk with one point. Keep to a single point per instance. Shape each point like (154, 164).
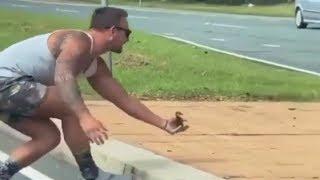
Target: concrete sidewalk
(117, 160)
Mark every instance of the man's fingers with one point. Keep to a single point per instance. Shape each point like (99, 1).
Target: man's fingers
(183, 128)
(179, 129)
(91, 139)
(105, 134)
(104, 128)
(99, 137)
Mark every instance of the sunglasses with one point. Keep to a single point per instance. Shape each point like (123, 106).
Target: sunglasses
(126, 31)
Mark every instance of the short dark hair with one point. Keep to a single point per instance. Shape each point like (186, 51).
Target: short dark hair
(107, 17)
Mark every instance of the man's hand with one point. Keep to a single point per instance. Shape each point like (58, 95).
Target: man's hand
(176, 124)
(94, 129)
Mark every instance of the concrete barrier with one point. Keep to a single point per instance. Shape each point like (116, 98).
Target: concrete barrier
(119, 158)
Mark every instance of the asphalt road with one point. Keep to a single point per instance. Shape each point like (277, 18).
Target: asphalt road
(272, 39)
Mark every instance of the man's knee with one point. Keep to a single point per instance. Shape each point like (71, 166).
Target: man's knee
(55, 138)
(51, 138)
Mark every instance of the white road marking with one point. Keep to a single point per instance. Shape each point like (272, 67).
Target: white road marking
(206, 14)
(242, 56)
(20, 5)
(28, 171)
(139, 17)
(169, 34)
(59, 3)
(271, 45)
(67, 10)
(182, 12)
(217, 39)
(226, 25)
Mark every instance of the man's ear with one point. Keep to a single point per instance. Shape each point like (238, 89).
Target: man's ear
(113, 29)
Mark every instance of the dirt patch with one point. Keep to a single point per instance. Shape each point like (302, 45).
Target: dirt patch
(130, 60)
(258, 140)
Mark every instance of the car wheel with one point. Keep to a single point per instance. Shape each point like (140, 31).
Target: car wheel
(299, 20)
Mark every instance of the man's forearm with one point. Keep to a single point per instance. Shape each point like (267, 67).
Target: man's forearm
(139, 111)
(109, 88)
(71, 95)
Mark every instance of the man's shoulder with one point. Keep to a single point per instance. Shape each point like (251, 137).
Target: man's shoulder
(76, 35)
(72, 38)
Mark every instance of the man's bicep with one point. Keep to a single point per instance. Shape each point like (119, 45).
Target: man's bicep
(72, 51)
(65, 65)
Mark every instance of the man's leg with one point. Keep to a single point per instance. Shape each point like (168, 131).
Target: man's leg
(74, 136)
(44, 135)
(79, 145)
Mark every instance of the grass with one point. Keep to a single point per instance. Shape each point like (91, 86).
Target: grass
(279, 10)
(153, 67)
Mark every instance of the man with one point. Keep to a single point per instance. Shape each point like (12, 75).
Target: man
(38, 81)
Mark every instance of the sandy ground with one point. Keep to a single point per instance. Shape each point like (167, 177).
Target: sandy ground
(233, 140)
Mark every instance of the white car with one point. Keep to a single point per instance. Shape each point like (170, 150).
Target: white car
(307, 11)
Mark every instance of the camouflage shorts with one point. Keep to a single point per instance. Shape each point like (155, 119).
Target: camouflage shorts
(19, 97)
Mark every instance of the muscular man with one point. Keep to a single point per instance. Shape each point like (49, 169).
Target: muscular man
(38, 81)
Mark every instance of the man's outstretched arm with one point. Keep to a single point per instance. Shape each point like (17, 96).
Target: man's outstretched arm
(110, 89)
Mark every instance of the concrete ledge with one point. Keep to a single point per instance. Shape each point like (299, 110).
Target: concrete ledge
(120, 158)
(148, 165)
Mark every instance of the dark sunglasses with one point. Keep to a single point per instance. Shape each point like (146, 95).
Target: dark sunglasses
(126, 31)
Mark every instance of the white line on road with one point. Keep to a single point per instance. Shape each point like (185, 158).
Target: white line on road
(226, 25)
(124, 7)
(217, 39)
(242, 56)
(67, 10)
(139, 17)
(271, 45)
(59, 3)
(169, 34)
(28, 171)
(20, 5)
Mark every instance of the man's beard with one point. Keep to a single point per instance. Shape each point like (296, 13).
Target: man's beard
(119, 50)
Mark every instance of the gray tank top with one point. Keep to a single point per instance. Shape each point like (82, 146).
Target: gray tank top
(32, 57)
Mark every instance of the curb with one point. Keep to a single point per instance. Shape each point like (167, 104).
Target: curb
(120, 158)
